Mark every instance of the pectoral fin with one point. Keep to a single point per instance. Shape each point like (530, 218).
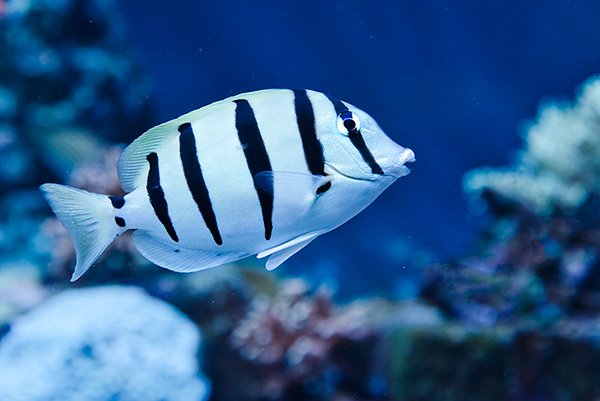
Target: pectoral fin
(292, 183)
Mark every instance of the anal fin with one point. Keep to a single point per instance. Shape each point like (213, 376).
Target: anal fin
(283, 252)
(177, 258)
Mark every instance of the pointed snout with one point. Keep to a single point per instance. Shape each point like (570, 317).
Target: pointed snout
(407, 156)
(398, 168)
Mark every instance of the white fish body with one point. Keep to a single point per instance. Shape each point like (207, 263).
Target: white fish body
(260, 173)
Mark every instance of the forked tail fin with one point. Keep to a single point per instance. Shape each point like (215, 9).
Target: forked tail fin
(89, 219)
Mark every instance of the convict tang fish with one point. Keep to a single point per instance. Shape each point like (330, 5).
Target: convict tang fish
(261, 173)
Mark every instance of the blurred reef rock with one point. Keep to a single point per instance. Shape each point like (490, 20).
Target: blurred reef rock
(456, 362)
(103, 343)
(68, 83)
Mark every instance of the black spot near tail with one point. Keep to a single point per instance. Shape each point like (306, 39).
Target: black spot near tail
(324, 188)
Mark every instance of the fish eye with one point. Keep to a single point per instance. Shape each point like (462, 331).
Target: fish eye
(348, 123)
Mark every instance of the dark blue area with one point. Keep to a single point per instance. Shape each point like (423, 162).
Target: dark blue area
(452, 80)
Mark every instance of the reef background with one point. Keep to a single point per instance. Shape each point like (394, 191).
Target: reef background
(475, 277)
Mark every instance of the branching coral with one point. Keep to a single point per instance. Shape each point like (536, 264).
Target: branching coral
(560, 165)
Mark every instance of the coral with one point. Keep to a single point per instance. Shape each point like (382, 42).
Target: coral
(103, 343)
(560, 165)
(67, 83)
(299, 345)
(530, 267)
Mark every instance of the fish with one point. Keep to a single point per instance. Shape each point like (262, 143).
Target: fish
(261, 173)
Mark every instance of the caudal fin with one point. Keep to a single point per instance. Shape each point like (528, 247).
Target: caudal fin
(89, 219)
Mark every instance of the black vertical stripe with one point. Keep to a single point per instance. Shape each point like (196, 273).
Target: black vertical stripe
(195, 179)
(305, 117)
(157, 196)
(337, 104)
(359, 143)
(256, 158)
(357, 139)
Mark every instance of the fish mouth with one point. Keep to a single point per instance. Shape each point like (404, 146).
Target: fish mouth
(398, 167)
(395, 170)
(407, 156)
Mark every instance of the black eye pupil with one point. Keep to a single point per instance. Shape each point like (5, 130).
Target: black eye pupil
(349, 124)
(349, 121)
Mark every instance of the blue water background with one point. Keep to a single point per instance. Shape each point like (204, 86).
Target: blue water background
(455, 81)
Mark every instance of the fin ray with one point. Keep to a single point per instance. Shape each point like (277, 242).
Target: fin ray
(88, 218)
(133, 165)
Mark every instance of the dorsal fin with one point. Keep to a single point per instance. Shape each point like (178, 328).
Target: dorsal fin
(133, 166)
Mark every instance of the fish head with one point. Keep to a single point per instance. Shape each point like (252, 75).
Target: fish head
(357, 148)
